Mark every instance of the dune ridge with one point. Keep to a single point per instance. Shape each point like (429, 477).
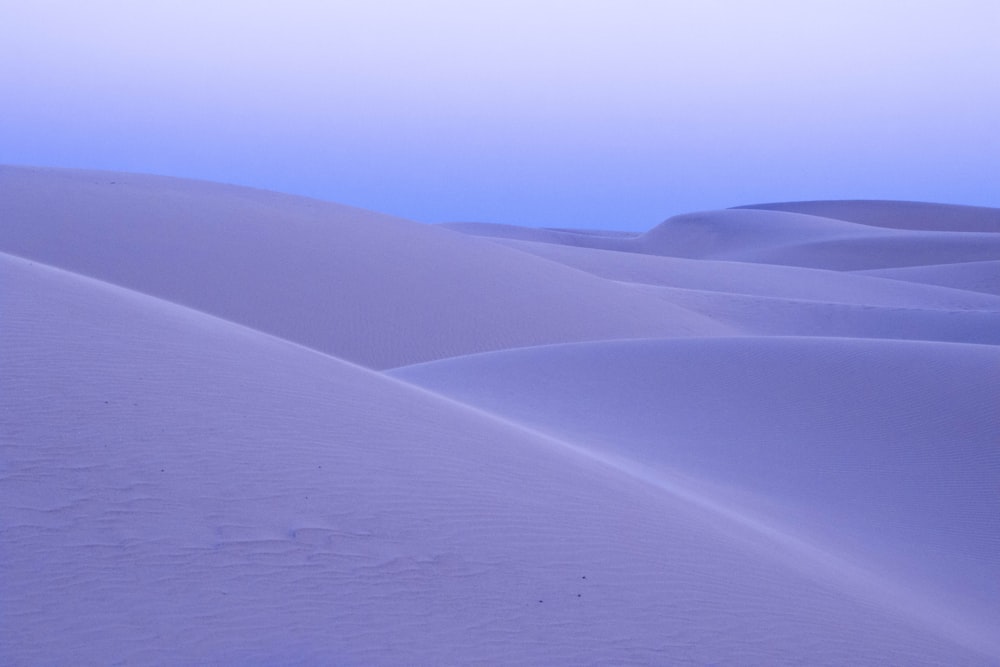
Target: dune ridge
(878, 287)
(293, 503)
(897, 214)
(983, 276)
(835, 429)
(797, 238)
(362, 286)
(245, 427)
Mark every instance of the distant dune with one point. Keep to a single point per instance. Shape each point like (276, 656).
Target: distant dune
(973, 276)
(362, 286)
(898, 214)
(240, 427)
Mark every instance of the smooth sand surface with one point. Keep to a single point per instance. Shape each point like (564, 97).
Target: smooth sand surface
(981, 276)
(898, 214)
(745, 437)
(362, 286)
(836, 438)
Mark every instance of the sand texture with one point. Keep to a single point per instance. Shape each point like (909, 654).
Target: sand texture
(240, 427)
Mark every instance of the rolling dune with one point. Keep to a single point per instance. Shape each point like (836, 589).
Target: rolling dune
(365, 287)
(240, 427)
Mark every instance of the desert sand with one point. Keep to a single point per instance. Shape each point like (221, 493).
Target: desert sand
(242, 427)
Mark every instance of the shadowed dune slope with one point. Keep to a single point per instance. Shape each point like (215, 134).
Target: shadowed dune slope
(766, 316)
(567, 237)
(679, 447)
(734, 231)
(897, 214)
(885, 448)
(773, 300)
(690, 235)
(974, 276)
(796, 239)
(769, 280)
(799, 238)
(179, 488)
(362, 286)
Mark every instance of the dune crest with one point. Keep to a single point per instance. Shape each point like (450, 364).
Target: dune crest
(897, 214)
(748, 436)
(366, 287)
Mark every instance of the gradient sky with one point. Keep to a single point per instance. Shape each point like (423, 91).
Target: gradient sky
(612, 114)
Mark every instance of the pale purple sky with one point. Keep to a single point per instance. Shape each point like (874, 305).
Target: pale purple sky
(554, 113)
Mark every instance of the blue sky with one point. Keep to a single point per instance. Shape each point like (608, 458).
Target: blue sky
(611, 114)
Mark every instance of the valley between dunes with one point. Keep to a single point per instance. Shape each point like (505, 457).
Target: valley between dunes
(242, 427)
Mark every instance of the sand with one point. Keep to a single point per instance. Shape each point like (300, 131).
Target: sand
(240, 427)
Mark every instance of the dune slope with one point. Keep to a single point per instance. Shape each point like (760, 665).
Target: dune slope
(789, 236)
(897, 214)
(788, 282)
(887, 448)
(362, 286)
(977, 277)
(745, 437)
(798, 239)
(288, 507)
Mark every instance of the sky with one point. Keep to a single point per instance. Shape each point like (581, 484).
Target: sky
(565, 113)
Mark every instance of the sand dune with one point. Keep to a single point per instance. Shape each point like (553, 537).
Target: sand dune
(850, 435)
(770, 280)
(773, 300)
(562, 237)
(792, 317)
(973, 276)
(362, 286)
(290, 507)
(898, 214)
(788, 238)
(733, 233)
(778, 237)
(705, 444)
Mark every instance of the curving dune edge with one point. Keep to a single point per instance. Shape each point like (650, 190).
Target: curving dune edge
(240, 427)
